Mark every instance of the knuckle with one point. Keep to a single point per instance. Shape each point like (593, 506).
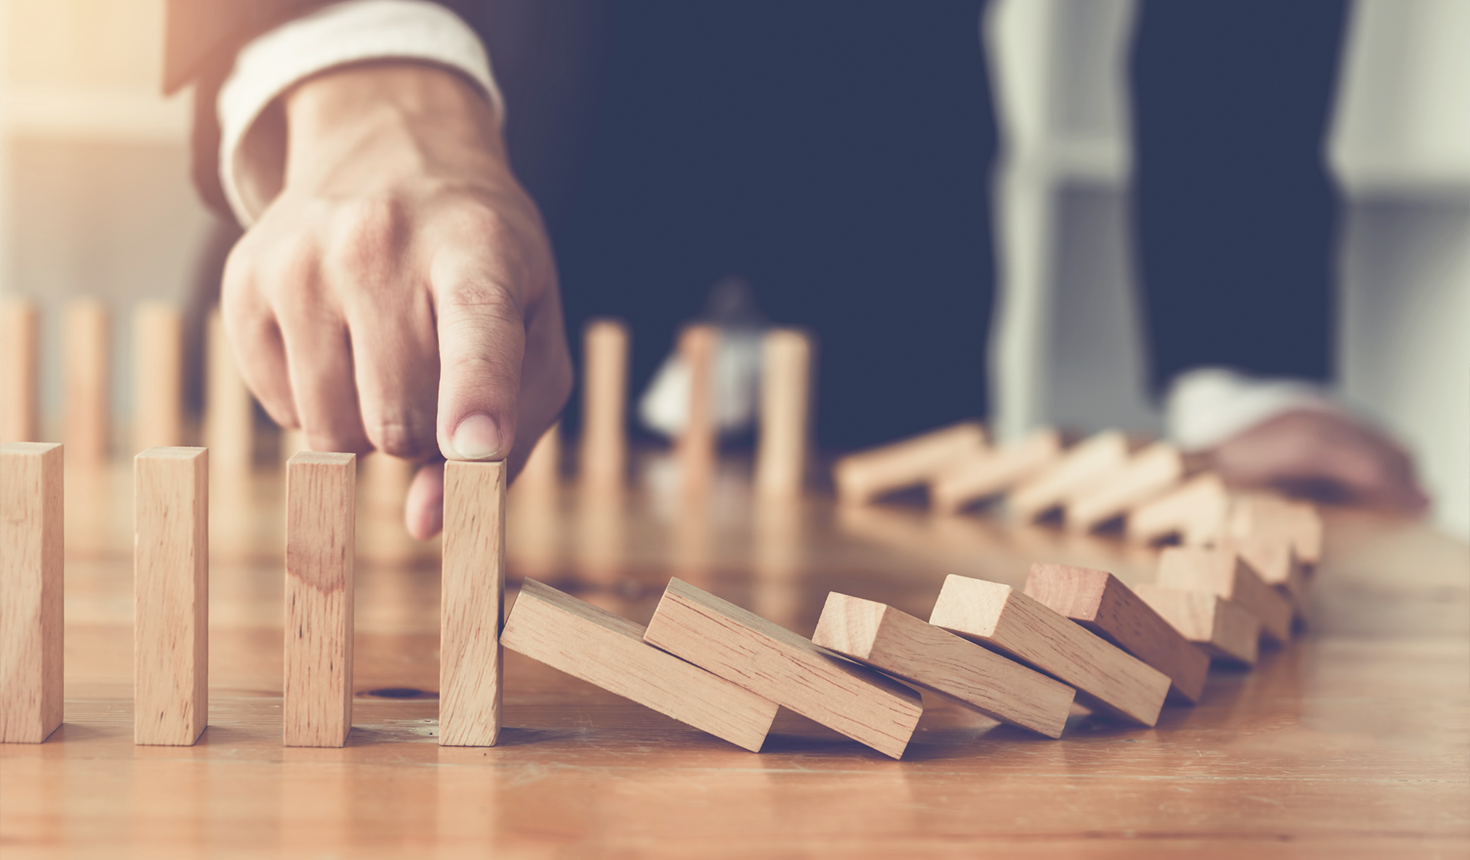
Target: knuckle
(399, 438)
(366, 234)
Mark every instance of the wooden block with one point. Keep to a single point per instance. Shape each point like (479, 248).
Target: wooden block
(697, 447)
(541, 476)
(88, 356)
(1100, 602)
(1085, 463)
(1272, 557)
(779, 665)
(1221, 571)
(995, 471)
(31, 579)
(920, 653)
(158, 376)
(1260, 515)
(472, 603)
(586, 642)
(20, 338)
(867, 475)
(229, 411)
(321, 532)
(786, 371)
(1195, 511)
(1143, 478)
(1004, 619)
(604, 455)
(1222, 627)
(171, 596)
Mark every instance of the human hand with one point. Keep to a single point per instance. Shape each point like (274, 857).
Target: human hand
(399, 292)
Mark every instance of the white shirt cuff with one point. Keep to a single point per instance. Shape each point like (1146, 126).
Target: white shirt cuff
(344, 33)
(1209, 405)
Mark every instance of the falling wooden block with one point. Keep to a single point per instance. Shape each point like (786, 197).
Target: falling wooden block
(1259, 515)
(1100, 602)
(1195, 511)
(1143, 478)
(697, 446)
(867, 475)
(321, 532)
(1004, 619)
(786, 370)
(1272, 557)
(171, 596)
(920, 653)
(472, 603)
(779, 665)
(604, 454)
(541, 476)
(1224, 628)
(229, 411)
(995, 471)
(20, 338)
(1084, 464)
(1221, 571)
(31, 578)
(158, 376)
(88, 347)
(586, 642)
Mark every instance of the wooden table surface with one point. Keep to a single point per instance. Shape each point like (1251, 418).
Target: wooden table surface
(1353, 741)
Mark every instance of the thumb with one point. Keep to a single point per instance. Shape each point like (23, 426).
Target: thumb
(482, 338)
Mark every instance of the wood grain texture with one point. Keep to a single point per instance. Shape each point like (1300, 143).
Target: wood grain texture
(603, 461)
(472, 604)
(321, 533)
(229, 410)
(88, 356)
(1082, 465)
(1222, 627)
(592, 644)
(786, 668)
(1100, 602)
(171, 596)
(1146, 476)
(158, 376)
(1220, 570)
(1003, 618)
(781, 452)
(995, 471)
(920, 653)
(1196, 511)
(20, 371)
(868, 475)
(31, 585)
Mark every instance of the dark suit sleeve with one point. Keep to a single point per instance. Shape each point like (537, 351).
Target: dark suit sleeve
(1236, 214)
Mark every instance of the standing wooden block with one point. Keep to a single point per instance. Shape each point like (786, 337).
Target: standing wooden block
(1221, 571)
(786, 371)
(1143, 478)
(229, 419)
(171, 596)
(995, 471)
(472, 603)
(604, 455)
(321, 531)
(1222, 627)
(779, 665)
(1098, 601)
(31, 573)
(1195, 511)
(1088, 462)
(158, 376)
(586, 642)
(998, 616)
(867, 475)
(541, 476)
(920, 653)
(88, 348)
(697, 447)
(20, 325)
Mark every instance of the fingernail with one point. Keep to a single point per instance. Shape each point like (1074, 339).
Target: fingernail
(476, 438)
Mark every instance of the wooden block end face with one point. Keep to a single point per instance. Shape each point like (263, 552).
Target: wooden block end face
(970, 607)
(1076, 592)
(867, 475)
(31, 584)
(849, 625)
(472, 604)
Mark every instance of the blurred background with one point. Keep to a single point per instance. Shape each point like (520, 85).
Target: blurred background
(95, 201)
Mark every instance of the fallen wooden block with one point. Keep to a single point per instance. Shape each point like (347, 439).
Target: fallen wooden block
(32, 569)
(1260, 515)
(1274, 560)
(920, 653)
(1143, 478)
(1195, 511)
(601, 648)
(1086, 463)
(786, 370)
(1100, 602)
(472, 602)
(20, 375)
(1002, 618)
(1224, 628)
(867, 475)
(1221, 571)
(779, 665)
(990, 473)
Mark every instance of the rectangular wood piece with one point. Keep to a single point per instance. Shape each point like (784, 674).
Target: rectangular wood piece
(867, 475)
(995, 471)
(229, 410)
(1195, 511)
(697, 445)
(786, 370)
(1143, 478)
(604, 454)
(1222, 627)
(1082, 465)
(1220, 570)
(88, 357)
(31, 580)
(158, 376)
(472, 603)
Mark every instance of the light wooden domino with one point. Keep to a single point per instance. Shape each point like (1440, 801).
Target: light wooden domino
(1259, 515)
(604, 454)
(158, 376)
(1274, 559)
(868, 475)
(472, 603)
(88, 356)
(786, 369)
(20, 336)
(989, 473)
(1220, 570)
(1196, 511)
(1086, 463)
(542, 473)
(697, 446)
(31, 580)
(1225, 629)
(779, 665)
(1142, 478)
(229, 411)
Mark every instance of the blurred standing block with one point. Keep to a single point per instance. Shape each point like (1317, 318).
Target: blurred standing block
(1098, 601)
(995, 471)
(910, 649)
(604, 456)
(1221, 571)
(1223, 628)
(229, 411)
(779, 665)
(158, 376)
(786, 371)
(88, 354)
(1090, 461)
(1144, 477)
(472, 603)
(171, 593)
(541, 475)
(1195, 511)
(1008, 621)
(697, 447)
(20, 325)
(867, 475)
(31, 578)
(321, 526)
(592, 644)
